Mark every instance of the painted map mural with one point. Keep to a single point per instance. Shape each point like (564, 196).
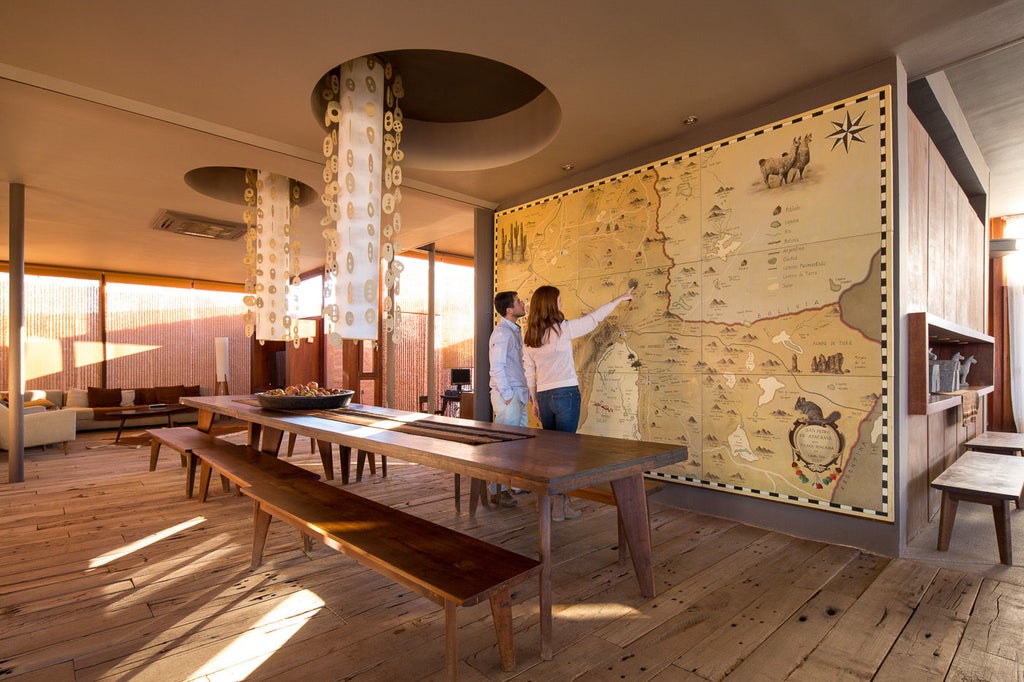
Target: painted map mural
(757, 336)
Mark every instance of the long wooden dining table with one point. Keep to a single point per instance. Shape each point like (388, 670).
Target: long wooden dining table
(546, 463)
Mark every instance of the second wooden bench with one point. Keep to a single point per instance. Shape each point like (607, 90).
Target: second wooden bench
(447, 567)
(983, 478)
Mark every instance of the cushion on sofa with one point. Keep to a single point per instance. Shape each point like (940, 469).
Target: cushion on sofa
(169, 394)
(77, 397)
(190, 391)
(145, 396)
(127, 397)
(41, 402)
(29, 396)
(104, 397)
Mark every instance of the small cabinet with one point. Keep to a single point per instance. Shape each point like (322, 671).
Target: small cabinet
(945, 339)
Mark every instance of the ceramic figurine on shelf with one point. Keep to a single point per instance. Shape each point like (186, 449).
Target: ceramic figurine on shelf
(933, 372)
(949, 374)
(965, 367)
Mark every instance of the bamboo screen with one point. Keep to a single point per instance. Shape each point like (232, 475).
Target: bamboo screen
(453, 328)
(154, 336)
(162, 336)
(63, 332)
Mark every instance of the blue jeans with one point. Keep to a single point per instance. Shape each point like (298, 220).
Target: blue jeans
(560, 408)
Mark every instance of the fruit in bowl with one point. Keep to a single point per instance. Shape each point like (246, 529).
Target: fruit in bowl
(306, 390)
(308, 396)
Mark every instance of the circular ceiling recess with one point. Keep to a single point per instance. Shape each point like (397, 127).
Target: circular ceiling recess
(227, 183)
(462, 112)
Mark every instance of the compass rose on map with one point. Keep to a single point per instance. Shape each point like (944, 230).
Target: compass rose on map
(847, 131)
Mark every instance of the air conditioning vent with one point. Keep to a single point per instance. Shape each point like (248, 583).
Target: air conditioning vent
(1001, 247)
(197, 226)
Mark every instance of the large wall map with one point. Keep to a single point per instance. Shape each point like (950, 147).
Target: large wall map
(757, 336)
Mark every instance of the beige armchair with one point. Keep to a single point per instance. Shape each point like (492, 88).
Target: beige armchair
(42, 427)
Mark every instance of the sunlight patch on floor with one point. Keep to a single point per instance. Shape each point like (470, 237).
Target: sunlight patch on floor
(125, 550)
(597, 611)
(266, 636)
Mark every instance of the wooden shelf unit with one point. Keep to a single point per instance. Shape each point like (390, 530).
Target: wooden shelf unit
(945, 338)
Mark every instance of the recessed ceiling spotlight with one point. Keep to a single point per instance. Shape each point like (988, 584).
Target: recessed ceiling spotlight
(567, 166)
(689, 120)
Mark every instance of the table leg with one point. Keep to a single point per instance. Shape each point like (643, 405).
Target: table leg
(636, 525)
(1001, 515)
(345, 462)
(253, 435)
(272, 440)
(544, 541)
(190, 475)
(154, 453)
(947, 514)
(325, 458)
(120, 428)
(204, 422)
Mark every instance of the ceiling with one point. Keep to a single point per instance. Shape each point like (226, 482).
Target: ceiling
(106, 105)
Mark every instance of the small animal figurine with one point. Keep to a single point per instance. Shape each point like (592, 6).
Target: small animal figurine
(965, 368)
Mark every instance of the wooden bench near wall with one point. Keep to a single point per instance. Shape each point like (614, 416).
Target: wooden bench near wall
(983, 478)
(448, 567)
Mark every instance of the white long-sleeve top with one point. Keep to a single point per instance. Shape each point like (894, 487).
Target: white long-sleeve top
(552, 365)
(505, 355)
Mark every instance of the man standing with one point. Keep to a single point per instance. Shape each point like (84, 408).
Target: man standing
(509, 394)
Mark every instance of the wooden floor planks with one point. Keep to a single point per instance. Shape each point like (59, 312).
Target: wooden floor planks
(111, 574)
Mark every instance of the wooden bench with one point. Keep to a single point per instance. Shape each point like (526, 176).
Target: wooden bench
(999, 442)
(603, 493)
(241, 465)
(984, 478)
(235, 463)
(179, 438)
(445, 566)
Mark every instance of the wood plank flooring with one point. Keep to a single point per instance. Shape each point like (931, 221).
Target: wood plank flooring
(109, 573)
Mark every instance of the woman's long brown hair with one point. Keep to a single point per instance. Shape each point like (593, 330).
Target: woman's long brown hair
(544, 315)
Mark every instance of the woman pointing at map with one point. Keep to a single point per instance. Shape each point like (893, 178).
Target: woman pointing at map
(550, 366)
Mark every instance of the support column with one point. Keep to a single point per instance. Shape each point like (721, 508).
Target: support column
(16, 337)
(483, 314)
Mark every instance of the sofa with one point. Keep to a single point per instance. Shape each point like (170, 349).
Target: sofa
(85, 404)
(43, 426)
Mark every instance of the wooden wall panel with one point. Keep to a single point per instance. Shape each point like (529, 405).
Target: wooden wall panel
(946, 250)
(305, 362)
(916, 258)
(918, 475)
(936, 458)
(952, 278)
(976, 257)
(935, 245)
(1000, 417)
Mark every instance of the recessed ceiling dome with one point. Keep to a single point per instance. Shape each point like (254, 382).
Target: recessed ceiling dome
(227, 183)
(463, 112)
